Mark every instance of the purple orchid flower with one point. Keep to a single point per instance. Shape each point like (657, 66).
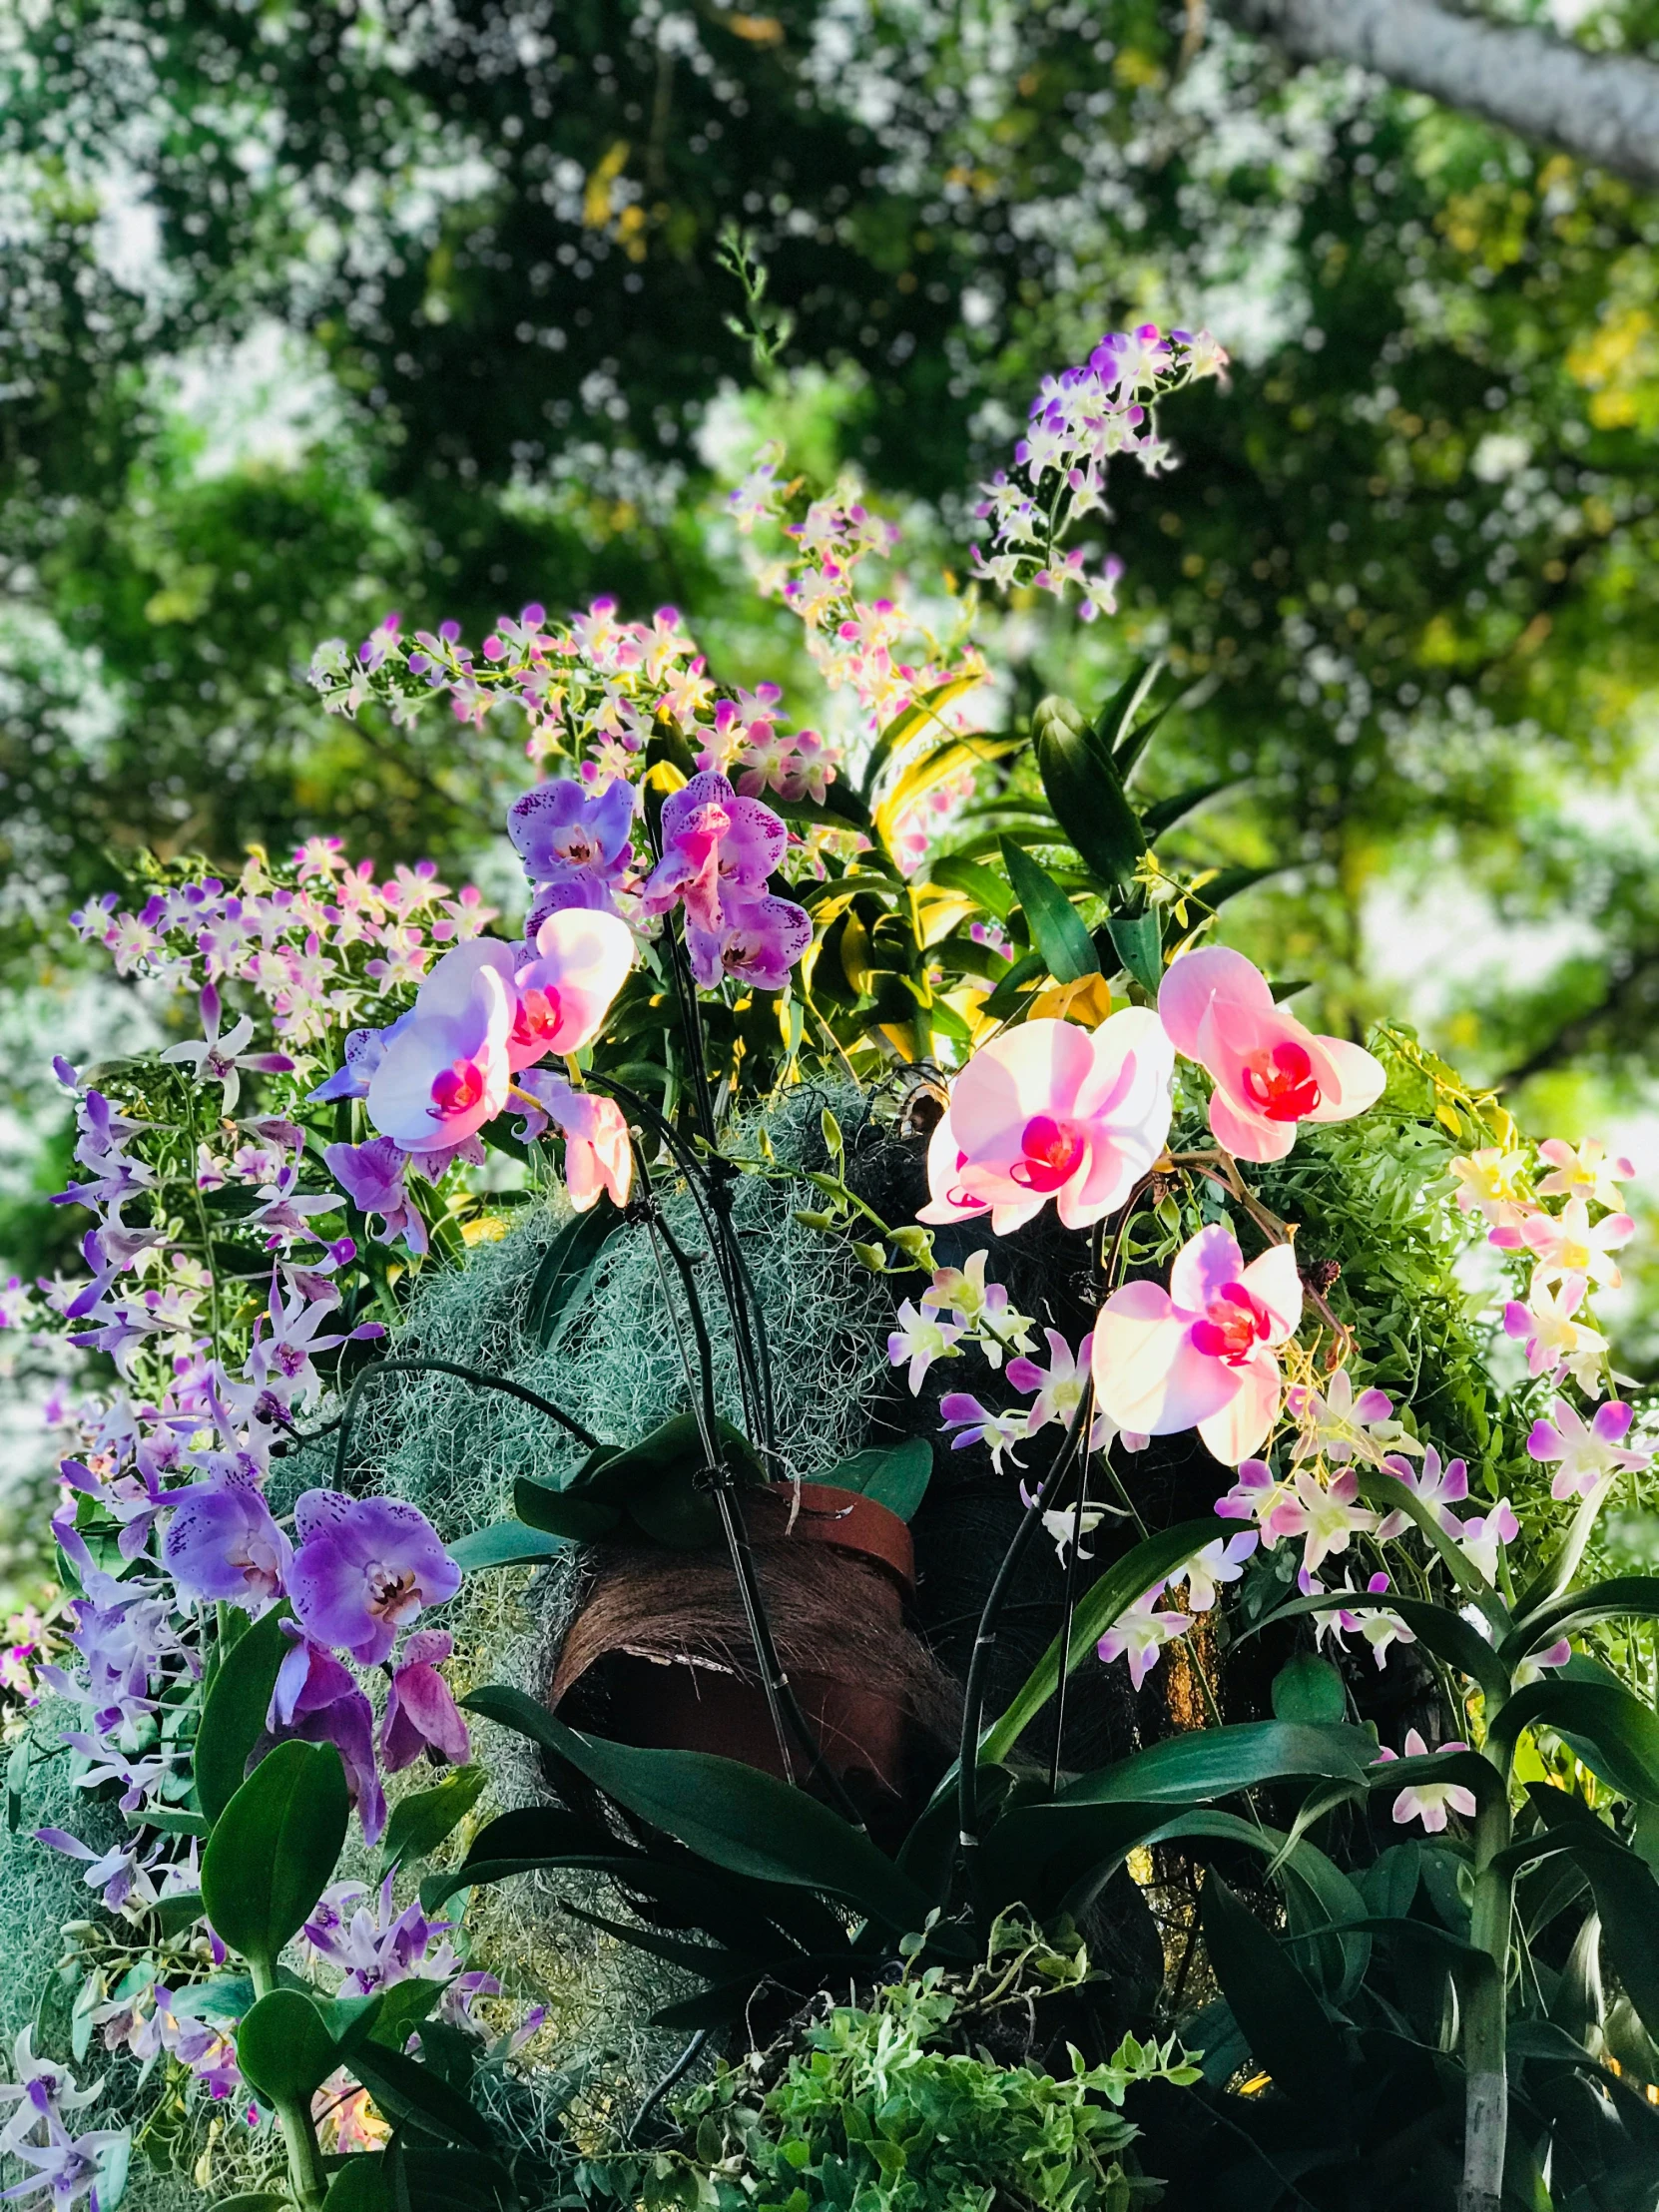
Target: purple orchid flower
(365, 1050)
(575, 847)
(366, 1568)
(758, 943)
(217, 1059)
(421, 1715)
(222, 1545)
(371, 1176)
(319, 1701)
(713, 843)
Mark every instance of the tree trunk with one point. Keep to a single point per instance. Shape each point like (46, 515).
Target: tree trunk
(1604, 108)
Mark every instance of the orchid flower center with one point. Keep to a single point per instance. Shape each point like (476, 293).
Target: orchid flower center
(1052, 1152)
(578, 845)
(1280, 1083)
(1232, 1325)
(456, 1091)
(392, 1593)
(536, 1017)
(700, 838)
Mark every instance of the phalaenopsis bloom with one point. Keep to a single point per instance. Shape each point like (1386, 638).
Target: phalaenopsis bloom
(1203, 1353)
(1268, 1071)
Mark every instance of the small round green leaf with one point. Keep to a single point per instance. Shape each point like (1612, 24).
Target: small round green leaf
(1309, 1690)
(283, 2047)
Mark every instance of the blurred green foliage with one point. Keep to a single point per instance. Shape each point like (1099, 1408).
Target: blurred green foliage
(1405, 569)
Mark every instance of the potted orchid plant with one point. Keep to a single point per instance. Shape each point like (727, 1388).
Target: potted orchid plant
(1393, 1829)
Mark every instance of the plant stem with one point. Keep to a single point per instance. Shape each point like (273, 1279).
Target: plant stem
(1486, 1997)
(1066, 1617)
(310, 2183)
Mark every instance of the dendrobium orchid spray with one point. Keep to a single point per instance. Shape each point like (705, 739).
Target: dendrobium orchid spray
(721, 910)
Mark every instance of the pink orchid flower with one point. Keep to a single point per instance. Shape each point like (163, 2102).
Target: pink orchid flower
(1429, 1800)
(711, 841)
(421, 1714)
(562, 997)
(1205, 1352)
(1050, 1110)
(1268, 1071)
(1140, 1633)
(447, 1074)
(1565, 1245)
(599, 1155)
(1585, 1452)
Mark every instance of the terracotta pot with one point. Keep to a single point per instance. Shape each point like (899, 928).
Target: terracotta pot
(660, 1655)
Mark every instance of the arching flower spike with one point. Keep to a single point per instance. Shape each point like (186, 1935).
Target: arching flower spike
(1268, 1071)
(1203, 1353)
(1050, 1110)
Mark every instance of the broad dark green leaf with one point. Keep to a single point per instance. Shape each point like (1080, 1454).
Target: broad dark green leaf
(411, 2095)
(421, 1821)
(982, 885)
(360, 2185)
(894, 1475)
(180, 1911)
(1164, 813)
(232, 1718)
(225, 1996)
(1216, 1762)
(1138, 942)
(730, 1813)
(1118, 722)
(274, 1848)
(1307, 1687)
(285, 2050)
(1615, 1733)
(1115, 1591)
(1626, 1894)
(566, 1270)
(713, 2007)
(1009, 994)
(424, 2179)
(1056, 926)
(709, 1960)
(507, 1543)
(1085, 790)
(574, 1518)
(1389, 1882)
(1286, 2027)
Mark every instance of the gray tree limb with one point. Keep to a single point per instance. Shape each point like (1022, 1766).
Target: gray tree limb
(1602, 107)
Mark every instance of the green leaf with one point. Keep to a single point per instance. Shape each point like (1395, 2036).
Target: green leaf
(982, 885)
(895, 1476)
(1602, 1601)
(285, 2050)
(556, 1512)
(507, 1543)
(1138, 942)
(180, 1911)
(1009, 994)
(1085, 790)
(273, 1848)
(421, 1821)
(730, 1813)
(1116, 1590)
(1056, 926)
(411, 2095)
(1286, 2027)
(1626, 1894)
(1217, 1762)
(1307, 1687)
(232, 1718)
(923, 712)
(566, 1270)
(1435, 1627)
(1164, 813)
(252, 2200)
(1615, 1733)
(360, 2185)
(1116, 721)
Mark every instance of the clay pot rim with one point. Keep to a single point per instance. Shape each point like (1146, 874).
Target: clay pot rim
(850, 1521)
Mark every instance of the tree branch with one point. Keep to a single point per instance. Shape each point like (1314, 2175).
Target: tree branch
(1602, 107)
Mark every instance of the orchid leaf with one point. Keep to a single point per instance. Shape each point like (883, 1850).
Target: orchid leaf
(285, 2050)
(982, 885)
(1085, 789)
(360, 2185)
(1116, 1590)
(234, 1713)
(1217, 1762)
(1164, 813)
(563, 1513)
(1138, 942)
(273, 1848)
(1615, 1733)
(507, 1543)
(421, 1821)
(895, 1476)
(567, 1270)
(1288, 2029)
(732, 1815)
(1622, 1596)
(413, 2095)
(1626, 1894)
(1056, 926)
